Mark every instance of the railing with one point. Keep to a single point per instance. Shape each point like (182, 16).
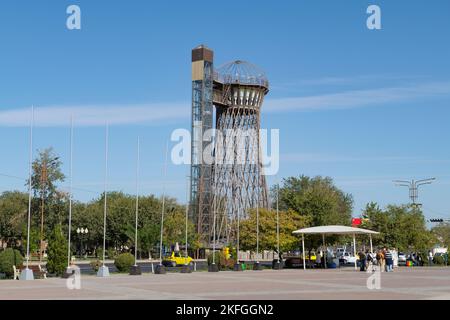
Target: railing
(228, 79)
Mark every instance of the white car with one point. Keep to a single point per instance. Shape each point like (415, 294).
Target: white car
(401, 259)
(348, 258)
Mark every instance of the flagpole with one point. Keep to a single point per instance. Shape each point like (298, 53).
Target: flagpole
(160, 269)
(27, 274)
(187, 213)
(278, 223)
(70, 191)
(186, 268)
(137, 203)
(103, 271)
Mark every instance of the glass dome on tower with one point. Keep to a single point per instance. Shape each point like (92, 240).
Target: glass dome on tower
(241, 72)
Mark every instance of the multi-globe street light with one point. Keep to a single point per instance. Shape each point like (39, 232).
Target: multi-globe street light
(81, 232)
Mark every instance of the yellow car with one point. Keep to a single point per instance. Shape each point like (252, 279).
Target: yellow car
(176, 259)
(312, 258)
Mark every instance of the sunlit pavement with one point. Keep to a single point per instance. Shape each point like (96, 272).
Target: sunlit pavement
(404, 283)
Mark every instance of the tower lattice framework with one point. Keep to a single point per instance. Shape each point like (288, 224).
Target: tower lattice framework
(232, 181)
(238, 181)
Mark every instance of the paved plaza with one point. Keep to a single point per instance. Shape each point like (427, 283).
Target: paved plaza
(404, 283)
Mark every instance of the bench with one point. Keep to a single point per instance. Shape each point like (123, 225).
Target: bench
(41, 272)
(16, 273)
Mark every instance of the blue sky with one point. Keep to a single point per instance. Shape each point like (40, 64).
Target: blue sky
(363, 107)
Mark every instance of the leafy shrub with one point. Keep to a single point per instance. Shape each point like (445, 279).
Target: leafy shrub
(95, 264)
(9, 258)
(217, 259)
(221, 261)
(57, 252)
(124, 261)
(439, 260)
(111, 253)
(99, 253)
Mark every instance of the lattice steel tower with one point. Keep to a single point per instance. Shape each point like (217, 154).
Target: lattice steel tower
(233, 180)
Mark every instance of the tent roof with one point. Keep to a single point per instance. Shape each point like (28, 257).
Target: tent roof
(334, 230)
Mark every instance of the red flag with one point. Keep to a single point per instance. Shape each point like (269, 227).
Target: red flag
(356, 222)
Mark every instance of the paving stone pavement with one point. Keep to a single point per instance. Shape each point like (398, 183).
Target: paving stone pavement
(293, 284)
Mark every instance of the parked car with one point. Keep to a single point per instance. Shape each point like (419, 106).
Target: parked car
(295, 259)
(349, 258)
(401, 259)
(176, 259)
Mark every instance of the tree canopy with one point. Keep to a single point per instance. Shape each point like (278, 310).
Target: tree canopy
(401, 227)
(316, 198)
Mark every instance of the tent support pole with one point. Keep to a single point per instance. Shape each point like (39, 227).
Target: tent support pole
(303, 247)
(371, 246)
(324, 252)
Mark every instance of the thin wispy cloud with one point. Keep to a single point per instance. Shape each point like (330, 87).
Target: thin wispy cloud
(333, 158)
(359, 80)
(97, 115)
(359, 98)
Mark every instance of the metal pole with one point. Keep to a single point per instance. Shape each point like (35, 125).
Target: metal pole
(278, 225)
(371, 246)
(70, 191)
(214, 226)
(303, 248)
(354, 250)
(106, 188)
(43, 181)
(237, 238)
(324, 252)
(257, 221)
(29, 186)
(187, 213)
(137, 203)
(163, 205)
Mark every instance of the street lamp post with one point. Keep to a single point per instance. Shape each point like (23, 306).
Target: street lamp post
(413, 187)
(81, 232)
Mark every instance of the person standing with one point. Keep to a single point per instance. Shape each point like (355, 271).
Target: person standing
(362, 261)
(380, 260)
(430, 258)
(369, 261)
(389, 260)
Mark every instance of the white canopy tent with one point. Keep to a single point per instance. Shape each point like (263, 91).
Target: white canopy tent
(323, 230)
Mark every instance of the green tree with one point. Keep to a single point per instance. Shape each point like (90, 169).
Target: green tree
(401, 227)
(13, 213)
(175, 228)
(317, 198)
(441, 233)
(57, 252)
(34, 240)
(46, 174)
(289, 221)
(9, 258)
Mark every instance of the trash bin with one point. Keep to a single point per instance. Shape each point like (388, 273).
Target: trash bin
(244, 266)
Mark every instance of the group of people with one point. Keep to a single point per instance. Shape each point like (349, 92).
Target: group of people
(383, 258)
